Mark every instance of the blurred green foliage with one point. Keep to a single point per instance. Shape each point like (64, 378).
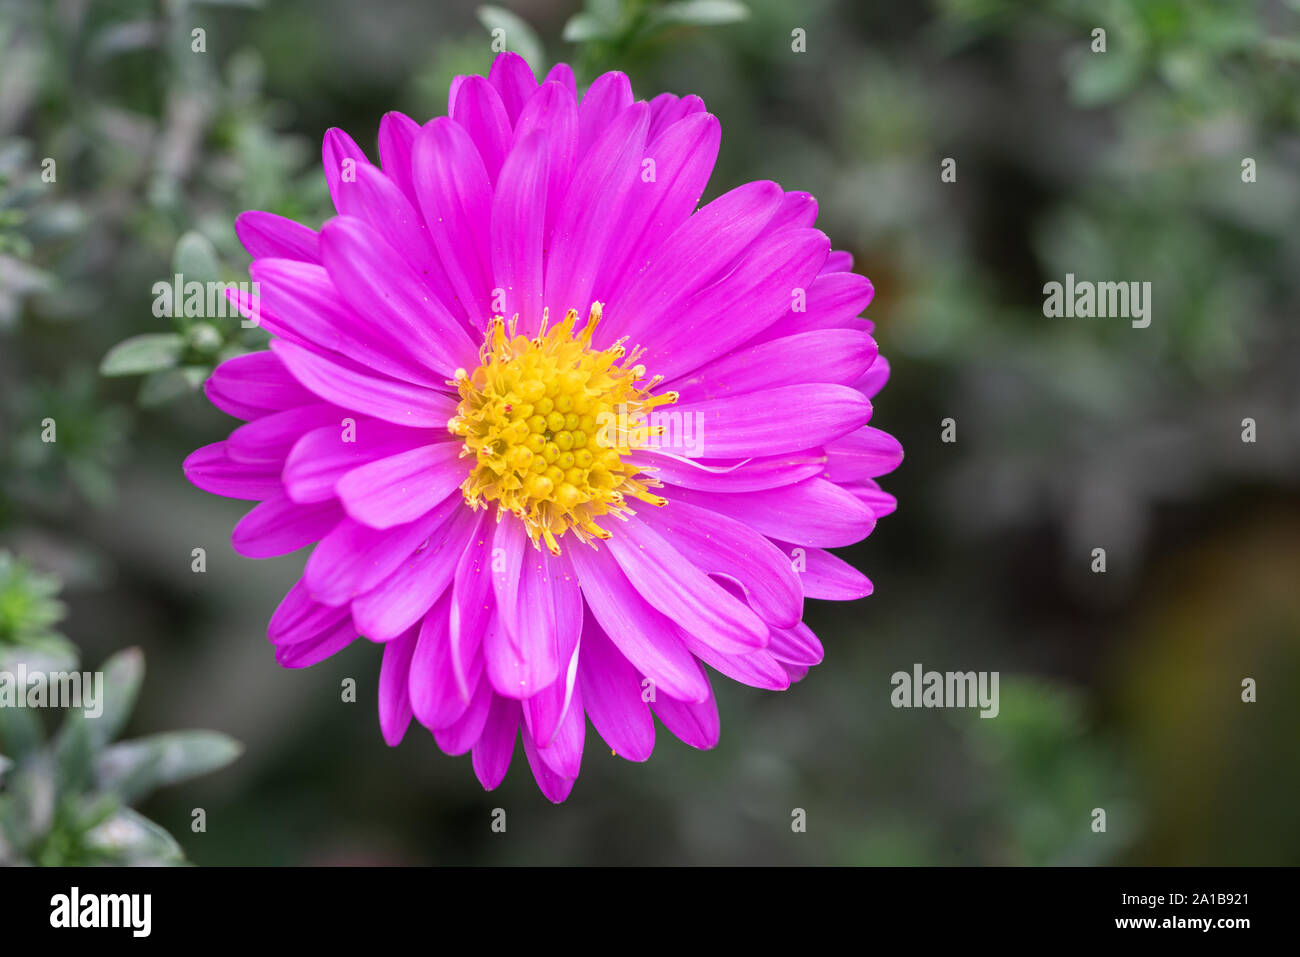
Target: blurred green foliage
(29, 610)
(1122, 165)
(67, 802)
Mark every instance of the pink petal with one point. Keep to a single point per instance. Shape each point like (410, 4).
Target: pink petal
(397, 133)
(611, 692)
(304, 654)
(340, 157)
(874, 379)
(523, 656)
(811, 512)
(380, 284)
(496, 745)
(354, 558)
(684, 156)
(453, 91)
(719, 545)
(269, 235)
(554, 786)
(480, 111)
(667, 109)
(402, 487)
(695, 723)
(690, 258)
(300, 302)
(798, 210)
(388, 399)
(213, 470)
(682, 592)
(731, 475)
(607, 97)
(832, 301)
(437, 701)
(838, 261)
(394, 700)
(833, 355)
(825, 575)
(464, 734)
(777, 421)
(518, 218)
(269, 439)
(751, 298)
(864, 453)
(796, 672)
(562, 73)
(473, 604)
(323, 456)
(758, 669)
(279, 526)
(545, 710)
(372, 199)
(563, 751)
(456, 199)
(643, 635)
(797, 645)
(514, 80)
(299, 617)
(553, 112)
(403, 598)
(870, 494)
(253, 384)
(582, 231)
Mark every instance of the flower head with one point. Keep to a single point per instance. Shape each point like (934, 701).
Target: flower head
(560, 438)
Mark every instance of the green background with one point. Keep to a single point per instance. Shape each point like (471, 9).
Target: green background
(1119, 690)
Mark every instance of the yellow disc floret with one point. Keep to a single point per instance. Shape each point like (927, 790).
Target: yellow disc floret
(548, 421)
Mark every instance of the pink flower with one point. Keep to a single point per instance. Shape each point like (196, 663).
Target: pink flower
(559, 437)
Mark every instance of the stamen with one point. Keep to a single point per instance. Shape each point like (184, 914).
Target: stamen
(547, 420)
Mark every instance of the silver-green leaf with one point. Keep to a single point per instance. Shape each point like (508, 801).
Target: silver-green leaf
(152, 352)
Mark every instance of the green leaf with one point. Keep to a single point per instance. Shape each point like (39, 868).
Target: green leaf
(74, 756)
(160, 388)
(699, 13)
(195, 258)
(81, 738)
(519, 36)
(135, 768)
(31, 787)
(20, 731)
(95, 810)
(140, 354)
(122, 676)
(29, 607)
(1281, 48)
(40, 651)
(125, 38)
(1102, 78)
(582, 27)
(131, 838)
(204, 338)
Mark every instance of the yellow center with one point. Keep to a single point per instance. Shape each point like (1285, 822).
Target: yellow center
(548, 420)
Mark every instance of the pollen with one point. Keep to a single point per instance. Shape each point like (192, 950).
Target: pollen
(548, 422)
